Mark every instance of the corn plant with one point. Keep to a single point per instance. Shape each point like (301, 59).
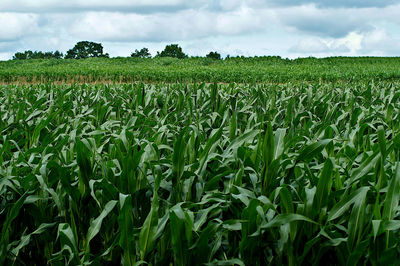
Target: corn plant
(200, 174)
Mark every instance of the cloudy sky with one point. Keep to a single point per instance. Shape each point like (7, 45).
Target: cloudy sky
(287, 28)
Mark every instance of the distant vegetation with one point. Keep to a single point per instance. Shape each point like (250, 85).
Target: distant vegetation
(200, 69)
(143, 53)
(214, 55)
(172, 50)
(86, 49)
(37, 55)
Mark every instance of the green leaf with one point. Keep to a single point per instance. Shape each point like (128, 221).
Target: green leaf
(382, 141)
(178, 157)
(67, 239)
(6, 227)
(125, 224)
(280, 134)
(239, 141)
(343, 205)
(178, 239)
(282, 219)
(149, 229)
(356, 221)
(364, 168)
(95, 225)
(392, 196)
(323, 186)
(310, 151)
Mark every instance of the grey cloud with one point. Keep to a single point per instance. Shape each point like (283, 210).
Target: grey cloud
(75, 6)
(334, 3)
(7, 46)
(327, 27)
(334, 23)
(171, 6)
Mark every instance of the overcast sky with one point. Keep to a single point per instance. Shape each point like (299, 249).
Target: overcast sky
(287, 28)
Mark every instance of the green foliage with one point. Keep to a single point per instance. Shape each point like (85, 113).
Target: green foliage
(172, 50)
(85, 49)
(236, 69)
(214, 55)
(37, 55)
(194, 173)
(142, 53)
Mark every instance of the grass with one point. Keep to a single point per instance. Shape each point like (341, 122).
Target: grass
(187, 174)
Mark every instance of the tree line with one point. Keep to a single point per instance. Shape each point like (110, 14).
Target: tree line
(86, 49)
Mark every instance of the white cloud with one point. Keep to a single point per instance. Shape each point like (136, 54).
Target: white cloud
(186, 25)
(352, 41)
(310, 46)
(5, 56)
(348, 45)
(14, 26)
(380, 42)
(321, 47)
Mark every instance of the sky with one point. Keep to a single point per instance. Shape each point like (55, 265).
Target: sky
(286, 28)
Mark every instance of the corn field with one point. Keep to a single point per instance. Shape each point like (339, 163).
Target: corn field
(200, 174)
(265, 69)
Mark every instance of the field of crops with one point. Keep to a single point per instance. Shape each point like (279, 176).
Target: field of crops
(240, 69)
(194, 173)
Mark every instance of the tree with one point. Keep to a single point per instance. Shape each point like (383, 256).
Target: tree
(214, 55)
(22, 56)
(172, 50)
(86, 49)
(143, 53)
(37, 55)
(58, 55)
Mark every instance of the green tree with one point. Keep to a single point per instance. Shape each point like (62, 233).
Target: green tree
(143, 53)
(58, 55)
(37, 55)
(214, 55)
(172, 50)
(86, 49)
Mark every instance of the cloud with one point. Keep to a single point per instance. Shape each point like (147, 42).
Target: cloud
(380, 42)
(15, 26)
(151, 6)
(5, 56)
(186, 25)
(7, 46)
(335, 3)
(335, 23)
(349, 44)
(250, 27)
(310, 46)
(73, 6)
(377, 42)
